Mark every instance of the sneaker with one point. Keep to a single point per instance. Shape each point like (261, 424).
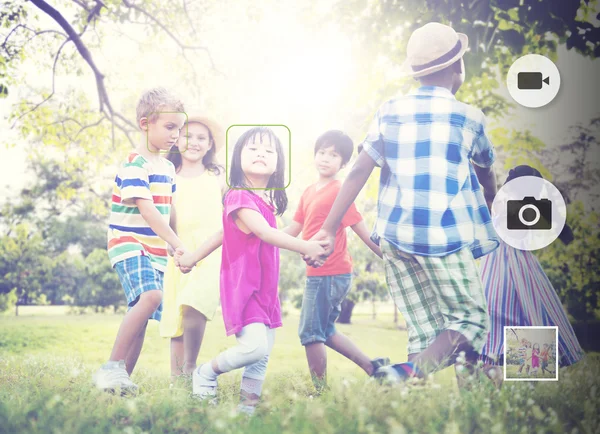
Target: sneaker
(113, 376)
(379, 362)
(204, 388)
(397, 373)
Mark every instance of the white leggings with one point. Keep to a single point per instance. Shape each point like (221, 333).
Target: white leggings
(255, 342)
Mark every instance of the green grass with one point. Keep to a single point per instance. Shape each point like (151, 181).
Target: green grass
(512, 372)
(46, 365)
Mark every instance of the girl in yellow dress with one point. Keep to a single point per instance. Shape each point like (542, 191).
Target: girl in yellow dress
(190, 300)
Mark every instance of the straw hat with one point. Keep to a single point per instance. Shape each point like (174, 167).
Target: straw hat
(432, 48)
(215, 129)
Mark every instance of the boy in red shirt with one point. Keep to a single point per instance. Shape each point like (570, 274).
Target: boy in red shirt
(327, 286)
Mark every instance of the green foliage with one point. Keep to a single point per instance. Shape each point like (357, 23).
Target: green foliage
(574, 269)
(102, 286)
(23, 264)
(46, 388)
(8, 300)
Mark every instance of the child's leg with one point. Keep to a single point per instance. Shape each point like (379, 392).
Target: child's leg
(133, 323)
(443, 302)
(176, 356)
(461, 300)
(316, 355)
(254, 377)
(343, 345)
(194, 325)
(134, 351)
(253, 345)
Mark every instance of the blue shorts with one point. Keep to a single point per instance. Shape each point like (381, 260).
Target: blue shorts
(137, 275)
(321, 306)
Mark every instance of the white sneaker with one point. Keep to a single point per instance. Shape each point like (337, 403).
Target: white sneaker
(204, 388)
(112, 376)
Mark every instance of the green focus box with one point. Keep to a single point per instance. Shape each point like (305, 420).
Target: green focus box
(278, 130)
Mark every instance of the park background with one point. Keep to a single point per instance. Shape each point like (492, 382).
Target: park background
(71, 72)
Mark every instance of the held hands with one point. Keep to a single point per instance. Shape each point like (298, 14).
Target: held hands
(183, 260)
(325, 241)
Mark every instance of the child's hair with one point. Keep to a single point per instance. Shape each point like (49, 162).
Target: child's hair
(153, 101)
(237, 179)
(341, 142)
(566, 235)
(536, 345)
(209, 160)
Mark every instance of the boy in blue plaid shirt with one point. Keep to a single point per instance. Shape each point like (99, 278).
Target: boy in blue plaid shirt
(433, 220)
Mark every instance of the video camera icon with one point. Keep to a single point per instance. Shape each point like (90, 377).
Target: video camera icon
(533, 80)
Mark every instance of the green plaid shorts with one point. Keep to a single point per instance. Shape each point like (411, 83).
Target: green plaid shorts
(436, 294)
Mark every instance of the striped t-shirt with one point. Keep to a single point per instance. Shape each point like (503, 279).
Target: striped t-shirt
(129, 234)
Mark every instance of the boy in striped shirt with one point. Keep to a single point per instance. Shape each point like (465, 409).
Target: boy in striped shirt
(138, 233)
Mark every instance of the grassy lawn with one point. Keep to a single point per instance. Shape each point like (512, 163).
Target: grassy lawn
(46, 364)
(512, 372)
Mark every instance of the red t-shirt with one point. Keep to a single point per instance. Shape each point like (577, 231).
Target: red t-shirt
(312, 211)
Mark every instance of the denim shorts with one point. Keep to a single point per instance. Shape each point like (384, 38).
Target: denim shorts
(321, 306)
(137, 275)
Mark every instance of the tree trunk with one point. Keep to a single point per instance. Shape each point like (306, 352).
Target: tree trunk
(395, 315)
(374, 306)
(17, 308)
(346, 313)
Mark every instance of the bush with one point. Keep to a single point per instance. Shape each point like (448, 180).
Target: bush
(8, 300)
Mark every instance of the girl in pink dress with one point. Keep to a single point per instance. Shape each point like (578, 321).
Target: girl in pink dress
(250, 263)
(535, 358)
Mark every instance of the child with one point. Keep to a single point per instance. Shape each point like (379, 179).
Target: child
(192, 299)
(522, 356)
(433, 220)
(535, 358)
(519, 293)
(545, 356)
(250, 263)
(139, 231)
(326, 287)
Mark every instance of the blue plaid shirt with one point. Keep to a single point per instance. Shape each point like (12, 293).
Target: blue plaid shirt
(430, 202)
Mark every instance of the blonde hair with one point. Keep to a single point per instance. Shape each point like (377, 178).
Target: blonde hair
(153, 101)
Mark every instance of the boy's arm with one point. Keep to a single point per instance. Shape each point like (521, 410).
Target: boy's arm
(173, 219)
(257, 224)
(157, 223)
(362, 231)
(293, 229)
(354, 182)
(487, 179)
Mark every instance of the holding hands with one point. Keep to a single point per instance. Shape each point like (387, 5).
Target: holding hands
(325, 241)
(183, 259)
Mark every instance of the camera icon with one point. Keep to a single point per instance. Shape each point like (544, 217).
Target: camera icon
(529, 213)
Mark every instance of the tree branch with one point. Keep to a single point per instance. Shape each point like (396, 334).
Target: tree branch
(53, 85)
(81, 48)
(171, 35)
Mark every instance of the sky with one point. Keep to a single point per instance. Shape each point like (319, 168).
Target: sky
(296, 79)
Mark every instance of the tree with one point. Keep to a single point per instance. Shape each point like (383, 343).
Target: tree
(574, 269)
(23, 264)
(73, 22)
(102, 287)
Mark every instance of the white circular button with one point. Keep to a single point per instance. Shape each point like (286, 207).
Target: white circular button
(529, 213)
(533, 80)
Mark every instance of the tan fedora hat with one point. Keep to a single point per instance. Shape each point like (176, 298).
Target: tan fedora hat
(215, 128)
(432, 48)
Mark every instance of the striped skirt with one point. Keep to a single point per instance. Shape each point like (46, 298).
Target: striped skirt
(519, 293)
